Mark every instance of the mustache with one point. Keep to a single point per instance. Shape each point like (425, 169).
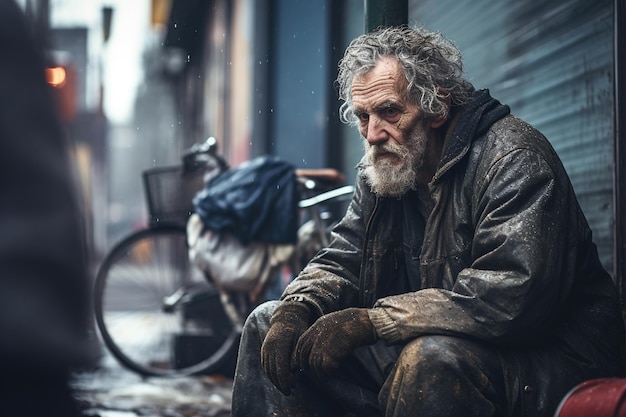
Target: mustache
(374, 152)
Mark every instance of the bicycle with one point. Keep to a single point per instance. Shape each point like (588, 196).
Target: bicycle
(157, 314)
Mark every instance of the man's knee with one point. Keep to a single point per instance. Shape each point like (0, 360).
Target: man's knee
(438, 355)
(433, 352)
(437, 362)
(440, 375)
(260, 317)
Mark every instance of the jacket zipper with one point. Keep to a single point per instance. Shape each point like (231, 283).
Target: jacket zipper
(364, 259)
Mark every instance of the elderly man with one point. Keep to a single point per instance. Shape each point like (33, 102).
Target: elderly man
(462, 281)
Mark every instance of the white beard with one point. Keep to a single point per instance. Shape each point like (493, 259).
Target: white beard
(393, 176)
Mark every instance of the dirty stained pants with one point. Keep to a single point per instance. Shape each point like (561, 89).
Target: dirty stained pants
(431, 376)
(436, 376)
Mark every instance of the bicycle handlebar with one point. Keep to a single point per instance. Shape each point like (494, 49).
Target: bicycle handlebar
(209, 146)
(341, 192)
(202, 154)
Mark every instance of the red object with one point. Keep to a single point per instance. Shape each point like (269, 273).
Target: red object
(602, 397)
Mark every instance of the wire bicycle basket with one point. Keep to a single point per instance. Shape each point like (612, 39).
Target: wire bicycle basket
(169, 193)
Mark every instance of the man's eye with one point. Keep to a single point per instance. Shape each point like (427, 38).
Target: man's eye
(390, 112)
(364, 117)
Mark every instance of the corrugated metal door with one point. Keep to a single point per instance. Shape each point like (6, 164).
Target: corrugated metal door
(552, 62)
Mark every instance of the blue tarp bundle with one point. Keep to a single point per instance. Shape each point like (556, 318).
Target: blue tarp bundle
(255, 201)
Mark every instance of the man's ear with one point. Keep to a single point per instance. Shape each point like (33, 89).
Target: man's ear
(439, 121)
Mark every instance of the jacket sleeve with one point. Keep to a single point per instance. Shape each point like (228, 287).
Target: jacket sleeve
(523, 257)
(331, 279)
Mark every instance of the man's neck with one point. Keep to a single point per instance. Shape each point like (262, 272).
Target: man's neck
(437, 142)
(434, 150)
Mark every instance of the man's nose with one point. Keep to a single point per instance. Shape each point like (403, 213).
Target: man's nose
(376, 134)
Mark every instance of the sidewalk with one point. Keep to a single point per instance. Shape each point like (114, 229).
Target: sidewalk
(112, 391)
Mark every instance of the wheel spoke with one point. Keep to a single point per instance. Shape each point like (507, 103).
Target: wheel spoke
(133, 283)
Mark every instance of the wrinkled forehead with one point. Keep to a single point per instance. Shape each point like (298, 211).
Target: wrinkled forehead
(385, 78)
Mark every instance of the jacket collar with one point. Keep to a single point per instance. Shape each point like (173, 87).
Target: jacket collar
(469, 123)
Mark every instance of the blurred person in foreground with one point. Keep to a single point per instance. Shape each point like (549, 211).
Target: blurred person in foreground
(44, 282)
(462, 281)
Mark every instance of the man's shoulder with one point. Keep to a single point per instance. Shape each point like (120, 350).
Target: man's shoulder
(513, 126)
(512, 133)
(513, 139)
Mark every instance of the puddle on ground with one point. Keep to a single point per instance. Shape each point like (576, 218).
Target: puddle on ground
(112, 391)
(104, 413)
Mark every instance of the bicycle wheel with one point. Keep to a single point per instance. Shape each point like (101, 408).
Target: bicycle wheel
(156, 313)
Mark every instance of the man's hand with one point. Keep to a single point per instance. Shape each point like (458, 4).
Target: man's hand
(288, 323)
(332, 338)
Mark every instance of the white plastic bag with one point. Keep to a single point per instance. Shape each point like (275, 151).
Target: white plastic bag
(230, 265)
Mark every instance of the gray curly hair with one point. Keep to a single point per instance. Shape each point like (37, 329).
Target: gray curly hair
(431, 63)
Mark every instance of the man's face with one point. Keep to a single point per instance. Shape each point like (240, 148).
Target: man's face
(394, 132)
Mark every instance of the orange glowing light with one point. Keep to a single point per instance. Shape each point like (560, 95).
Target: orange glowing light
(56, 76)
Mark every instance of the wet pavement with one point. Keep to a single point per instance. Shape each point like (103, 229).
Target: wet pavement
(110, 390)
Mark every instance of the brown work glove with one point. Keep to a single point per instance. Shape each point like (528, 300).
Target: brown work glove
(332, 338)
(288, 322)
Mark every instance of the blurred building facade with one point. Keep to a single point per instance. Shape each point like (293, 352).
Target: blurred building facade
(74, 76)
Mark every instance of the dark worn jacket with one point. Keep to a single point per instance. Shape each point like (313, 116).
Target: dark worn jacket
(507, 255)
